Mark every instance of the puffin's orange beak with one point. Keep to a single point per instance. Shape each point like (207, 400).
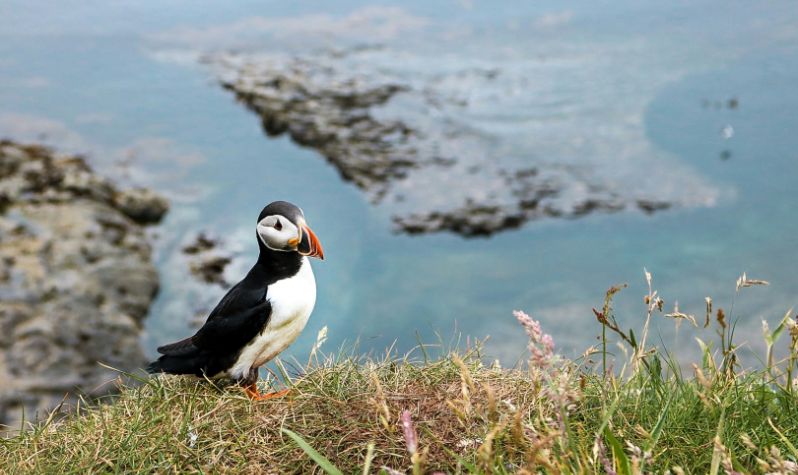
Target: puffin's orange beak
(309, 245)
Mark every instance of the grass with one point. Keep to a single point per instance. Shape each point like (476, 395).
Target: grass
(352, 414)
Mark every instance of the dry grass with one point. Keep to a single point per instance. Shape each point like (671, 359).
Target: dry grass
(174, 424)
(468, 417)
(454, 415)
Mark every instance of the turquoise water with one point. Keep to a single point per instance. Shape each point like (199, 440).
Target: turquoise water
(645, 88)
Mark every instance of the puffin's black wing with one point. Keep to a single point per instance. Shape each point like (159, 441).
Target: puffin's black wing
(242, 297)
(230, 332)
(178, 348)
(235, 320)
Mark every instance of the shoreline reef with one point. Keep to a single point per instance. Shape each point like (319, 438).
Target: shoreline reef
(76, 279)
(407, 146)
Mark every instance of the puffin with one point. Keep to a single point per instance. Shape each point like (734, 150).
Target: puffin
(261, 315)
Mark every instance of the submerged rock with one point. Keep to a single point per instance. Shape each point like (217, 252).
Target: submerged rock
(457, 150)
(204, 261)
(76, 279)
(334, 119)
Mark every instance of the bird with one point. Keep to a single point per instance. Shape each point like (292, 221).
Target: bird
(261, 315)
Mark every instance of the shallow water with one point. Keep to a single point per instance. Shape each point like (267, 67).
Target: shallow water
(636, 97)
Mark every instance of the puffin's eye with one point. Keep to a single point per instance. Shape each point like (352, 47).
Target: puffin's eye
(278, 225)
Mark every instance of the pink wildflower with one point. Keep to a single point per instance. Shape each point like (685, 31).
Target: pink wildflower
(409, 430)
(541, 345)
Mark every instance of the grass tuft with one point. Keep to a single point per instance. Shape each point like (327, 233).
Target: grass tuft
(454, 414)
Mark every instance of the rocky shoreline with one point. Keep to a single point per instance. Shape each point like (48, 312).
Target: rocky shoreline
(77, 279)
(400, 141)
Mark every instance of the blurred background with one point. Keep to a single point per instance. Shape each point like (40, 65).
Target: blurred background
(457, 159)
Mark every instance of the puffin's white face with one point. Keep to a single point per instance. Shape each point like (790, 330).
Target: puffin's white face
(278, 233)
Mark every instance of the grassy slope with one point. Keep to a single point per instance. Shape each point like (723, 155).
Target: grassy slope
(559, 417)
(467, 417)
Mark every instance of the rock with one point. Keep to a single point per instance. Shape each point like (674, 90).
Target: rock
(204, 261)
(412, 145)
(210, 269)
(141, 205)
(202, 243)
(334, 119)
(649, 207)
(77, 279)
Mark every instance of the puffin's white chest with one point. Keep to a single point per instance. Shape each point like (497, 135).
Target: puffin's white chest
(292, 301)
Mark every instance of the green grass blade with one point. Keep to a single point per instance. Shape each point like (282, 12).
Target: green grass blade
(779, 329)
(470, 467)
(283, 372)
(657, 430)
(784, 439)
(715, 465)
(320, 459)
(608, 415)
(621, 460)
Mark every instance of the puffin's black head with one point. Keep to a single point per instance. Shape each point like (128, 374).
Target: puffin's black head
(282, 227)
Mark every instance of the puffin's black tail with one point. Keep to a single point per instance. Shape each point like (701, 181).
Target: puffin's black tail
(181, 357)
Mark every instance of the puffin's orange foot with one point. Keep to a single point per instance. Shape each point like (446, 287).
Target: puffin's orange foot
(274, 395)
(255, 395)
(252, 391)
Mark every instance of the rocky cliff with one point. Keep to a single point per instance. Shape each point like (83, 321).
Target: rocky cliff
(76, 278)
